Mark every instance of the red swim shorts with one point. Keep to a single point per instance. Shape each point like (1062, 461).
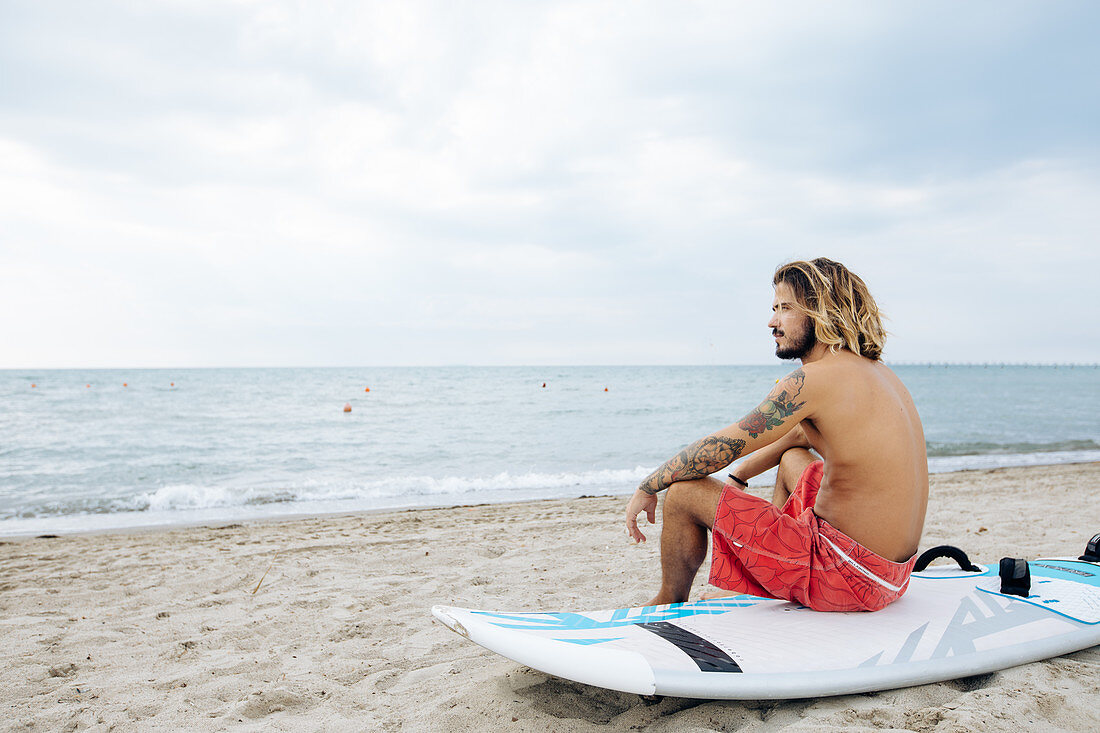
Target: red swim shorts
(794, 555)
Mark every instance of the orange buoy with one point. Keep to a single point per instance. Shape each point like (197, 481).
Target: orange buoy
(367, 389)
(33, 386)
(87, 385)
(347, 407)
(605, 389)
(171, 384)
(544, 384)
(125, 385)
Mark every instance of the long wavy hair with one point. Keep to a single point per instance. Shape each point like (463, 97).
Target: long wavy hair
(839, 304)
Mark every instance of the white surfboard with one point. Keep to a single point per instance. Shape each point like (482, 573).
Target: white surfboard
(950, 624)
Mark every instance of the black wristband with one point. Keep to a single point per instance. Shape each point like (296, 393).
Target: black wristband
(744, 484)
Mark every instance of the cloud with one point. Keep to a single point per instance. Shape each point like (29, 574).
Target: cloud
(284, 183)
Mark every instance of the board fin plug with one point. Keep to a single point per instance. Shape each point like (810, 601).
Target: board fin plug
(1015, 577)
(1092, 551)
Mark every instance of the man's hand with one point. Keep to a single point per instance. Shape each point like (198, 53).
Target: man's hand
(641, 501)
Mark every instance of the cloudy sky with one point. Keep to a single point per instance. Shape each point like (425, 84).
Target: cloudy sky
(263, 183)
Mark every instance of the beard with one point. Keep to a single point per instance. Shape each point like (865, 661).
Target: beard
(802, 343)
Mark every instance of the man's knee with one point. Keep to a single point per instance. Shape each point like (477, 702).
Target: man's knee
(791, 465)
(792, 457)
(794, 461)
(676, 499)
(697, 500)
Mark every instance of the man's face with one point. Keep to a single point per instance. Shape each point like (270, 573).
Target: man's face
(793, 331)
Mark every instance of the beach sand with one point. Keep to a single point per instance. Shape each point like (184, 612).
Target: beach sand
(165, 629)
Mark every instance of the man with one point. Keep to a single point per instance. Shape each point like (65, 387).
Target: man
(840, 534)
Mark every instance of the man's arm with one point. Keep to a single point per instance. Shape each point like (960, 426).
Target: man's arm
(776, 416)
(785, 406)
(768, 457)
(701, 458)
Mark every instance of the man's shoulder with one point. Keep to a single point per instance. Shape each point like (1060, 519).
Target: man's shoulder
(791, 387)
(848, 372)
(842, 362)
(815, 372)
(835, 370)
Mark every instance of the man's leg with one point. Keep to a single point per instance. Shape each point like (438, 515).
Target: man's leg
(687, 515)
(791, 465)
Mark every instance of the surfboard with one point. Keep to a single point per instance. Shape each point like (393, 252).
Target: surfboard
(950, 624)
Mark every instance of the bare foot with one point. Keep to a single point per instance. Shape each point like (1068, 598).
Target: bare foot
(715, 593)
(661, 600)
(708, 595)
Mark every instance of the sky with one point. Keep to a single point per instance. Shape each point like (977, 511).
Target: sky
(271, 183)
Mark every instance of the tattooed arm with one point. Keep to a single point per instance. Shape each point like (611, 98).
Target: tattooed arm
(776, 416)
(701, 458)
(768, 457)
(771, 420)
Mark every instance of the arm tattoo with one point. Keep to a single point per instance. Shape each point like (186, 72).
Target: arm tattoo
(701, 458)
(779, 406)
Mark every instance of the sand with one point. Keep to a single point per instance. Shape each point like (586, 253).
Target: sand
(166, 629)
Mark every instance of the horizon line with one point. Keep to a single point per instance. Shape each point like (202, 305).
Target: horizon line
(1036, 364)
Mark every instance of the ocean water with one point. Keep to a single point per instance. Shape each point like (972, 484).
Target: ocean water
(81, 451)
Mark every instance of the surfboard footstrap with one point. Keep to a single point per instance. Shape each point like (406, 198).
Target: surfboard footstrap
(1015, 577)
(948, 551)
(1092, 552)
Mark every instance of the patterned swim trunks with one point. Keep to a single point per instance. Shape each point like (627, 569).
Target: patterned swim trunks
(794, 555)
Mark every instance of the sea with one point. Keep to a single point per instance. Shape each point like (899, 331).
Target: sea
(86, 450)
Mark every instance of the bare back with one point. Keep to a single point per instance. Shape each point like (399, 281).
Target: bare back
(866, 427)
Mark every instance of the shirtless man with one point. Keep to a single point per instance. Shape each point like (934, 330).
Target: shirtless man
(839, 535)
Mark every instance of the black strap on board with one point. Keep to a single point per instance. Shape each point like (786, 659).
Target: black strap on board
(945, 551)
(1015, 577)
(1092, 552)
